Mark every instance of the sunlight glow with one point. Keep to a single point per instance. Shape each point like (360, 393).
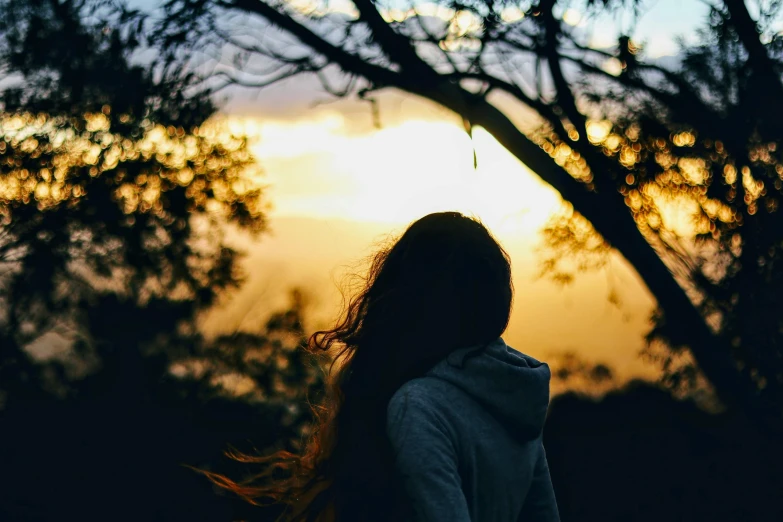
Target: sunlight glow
(179, 158)
(572, 17)
(598, 131)
(612, 65)
(396, 174)
(512, 14)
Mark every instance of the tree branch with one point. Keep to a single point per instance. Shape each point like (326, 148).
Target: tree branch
(397, 47)
(712, 353)
(604, 171)
(347, 61)
(432, 39)
(686, 105)
(507, 87)
(748, 33)
(232, 79)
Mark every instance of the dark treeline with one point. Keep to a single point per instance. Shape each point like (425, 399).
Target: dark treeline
(635, 455)
(115, 199)
(640, 455)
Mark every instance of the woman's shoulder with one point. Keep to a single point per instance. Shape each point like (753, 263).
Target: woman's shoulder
(420, 402)
(423, 391)
(424, 396)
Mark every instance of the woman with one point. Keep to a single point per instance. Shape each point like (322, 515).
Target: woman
(429, 416)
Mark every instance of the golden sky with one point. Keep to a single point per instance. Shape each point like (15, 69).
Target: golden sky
(337, 186)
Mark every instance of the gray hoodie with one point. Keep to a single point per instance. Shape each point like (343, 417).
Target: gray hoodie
(467, 438)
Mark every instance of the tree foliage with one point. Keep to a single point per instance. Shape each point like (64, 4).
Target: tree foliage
(117, 193)
(115, 190)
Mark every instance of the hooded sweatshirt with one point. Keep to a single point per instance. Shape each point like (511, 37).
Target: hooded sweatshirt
(467, 442)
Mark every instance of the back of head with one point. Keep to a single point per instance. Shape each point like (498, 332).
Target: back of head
(444, 284)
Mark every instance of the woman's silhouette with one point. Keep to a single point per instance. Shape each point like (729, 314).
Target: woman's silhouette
(428, 416)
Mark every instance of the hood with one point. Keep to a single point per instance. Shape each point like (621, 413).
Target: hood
(511, 386)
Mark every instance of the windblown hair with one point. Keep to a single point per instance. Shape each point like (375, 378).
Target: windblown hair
(443, 285)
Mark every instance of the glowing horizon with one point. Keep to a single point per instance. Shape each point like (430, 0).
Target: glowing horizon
(319, 168)
(337, 187)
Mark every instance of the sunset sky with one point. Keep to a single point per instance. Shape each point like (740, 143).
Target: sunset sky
(337, 186)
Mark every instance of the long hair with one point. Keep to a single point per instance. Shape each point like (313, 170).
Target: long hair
(443, 285)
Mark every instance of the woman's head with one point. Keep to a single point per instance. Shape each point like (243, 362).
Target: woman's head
(443, 285)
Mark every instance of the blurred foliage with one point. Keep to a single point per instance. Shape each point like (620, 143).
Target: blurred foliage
(571, 246)
(703, 178)
(117, 195)
(120, 445)
(271, 367)
(574, 374)
(115, 191)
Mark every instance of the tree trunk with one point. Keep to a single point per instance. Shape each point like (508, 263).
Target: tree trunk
(613, 220)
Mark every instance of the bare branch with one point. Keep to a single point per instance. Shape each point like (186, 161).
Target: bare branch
(686, 104)
(347, 61)
(430, 38)
(231, 78)
(397, 47)
(338, 92)
(748, 33)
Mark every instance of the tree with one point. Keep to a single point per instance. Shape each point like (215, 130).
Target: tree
(116, 194)
(110, 461)
(615, 134)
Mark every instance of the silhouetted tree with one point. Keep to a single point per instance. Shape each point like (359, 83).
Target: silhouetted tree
(608, 129)
(573, 373)
(95, 458)
(116, 195)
